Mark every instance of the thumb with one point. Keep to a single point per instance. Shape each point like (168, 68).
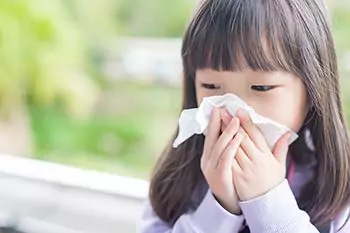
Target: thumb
(281, 148)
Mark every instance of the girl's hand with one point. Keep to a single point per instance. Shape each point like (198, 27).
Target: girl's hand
(218, 156)
(256, 170)
(226, 118)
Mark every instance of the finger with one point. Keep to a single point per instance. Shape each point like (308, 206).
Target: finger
(242, 159)
(223, 126)
(223, 141)
(249, 147)
(212, 134)
(236, 169)
(227, 157)
(252, 130)
(281, 148)
(226, 118)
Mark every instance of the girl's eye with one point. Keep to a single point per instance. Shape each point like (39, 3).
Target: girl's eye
(210, 86)
(262, 88)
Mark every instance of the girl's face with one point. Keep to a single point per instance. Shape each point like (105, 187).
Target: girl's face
(277, 95)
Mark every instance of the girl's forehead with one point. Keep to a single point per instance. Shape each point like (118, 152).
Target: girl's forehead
(237, 55)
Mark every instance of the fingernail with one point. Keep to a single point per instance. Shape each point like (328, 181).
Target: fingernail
(240, 112)
(226, 112)
(243, 116)
(234, 119)
(232, 122)
(222, 112)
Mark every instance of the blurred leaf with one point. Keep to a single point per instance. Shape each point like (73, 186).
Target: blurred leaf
(154, 18)
(41, 50)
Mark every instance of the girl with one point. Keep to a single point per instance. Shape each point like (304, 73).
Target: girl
(279, 57)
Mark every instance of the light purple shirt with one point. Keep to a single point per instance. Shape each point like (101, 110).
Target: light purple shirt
(275, 212)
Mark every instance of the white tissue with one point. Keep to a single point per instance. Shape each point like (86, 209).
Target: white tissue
(195, 120)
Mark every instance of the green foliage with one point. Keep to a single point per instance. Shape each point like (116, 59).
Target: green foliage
(104, 19)
(100, 135)
(125, 136)
(41, 57)
(341, 19)
(154, 18)
(48, 46)
(95, 19)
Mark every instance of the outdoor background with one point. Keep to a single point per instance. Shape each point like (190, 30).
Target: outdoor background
(90, 93)
(96, 84)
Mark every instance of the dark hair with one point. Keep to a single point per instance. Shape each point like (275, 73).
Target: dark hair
(268, 35)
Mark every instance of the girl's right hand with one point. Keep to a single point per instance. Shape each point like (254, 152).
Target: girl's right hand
(217, 159)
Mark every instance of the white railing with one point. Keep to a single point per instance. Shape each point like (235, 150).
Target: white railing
(43, 197)
(75, 177)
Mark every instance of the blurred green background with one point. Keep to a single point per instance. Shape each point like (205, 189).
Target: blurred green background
(64, 96)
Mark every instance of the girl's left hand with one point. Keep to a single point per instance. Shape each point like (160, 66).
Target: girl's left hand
(256, 170)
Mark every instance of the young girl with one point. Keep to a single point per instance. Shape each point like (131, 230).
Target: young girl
(279, 57)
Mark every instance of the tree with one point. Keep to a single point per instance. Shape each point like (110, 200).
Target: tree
(154, 18)
(42, 62)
